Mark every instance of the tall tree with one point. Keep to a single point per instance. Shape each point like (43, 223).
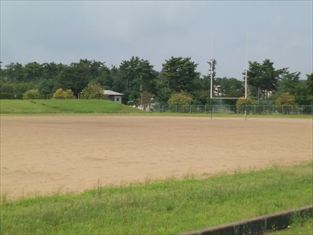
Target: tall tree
(264, 77)
(32, 71)
(51, 70)
(117, 82)
(14, 72)
(289, 82)
(180, 74)
(75, 77)
(139, 76)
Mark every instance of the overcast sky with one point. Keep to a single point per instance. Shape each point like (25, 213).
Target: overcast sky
(232, 32)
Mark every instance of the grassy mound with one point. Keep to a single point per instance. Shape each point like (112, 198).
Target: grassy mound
(62, 106)
(166, 207)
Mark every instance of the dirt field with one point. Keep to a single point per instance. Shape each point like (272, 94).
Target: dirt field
(49, 154)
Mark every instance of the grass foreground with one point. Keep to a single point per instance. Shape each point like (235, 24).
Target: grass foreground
(163, 207)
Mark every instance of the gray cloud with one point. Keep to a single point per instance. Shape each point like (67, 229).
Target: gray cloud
(231, 32)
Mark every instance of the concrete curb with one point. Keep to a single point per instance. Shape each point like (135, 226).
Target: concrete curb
(257, 225)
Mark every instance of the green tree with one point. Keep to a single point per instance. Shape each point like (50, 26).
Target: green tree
(32, 71)
(31, 94)
(14, 72)
(264, 77)
(92, 91)
(6, 90)
(181, 98)
(310, 83)
(75, 77)
(180, 74)
(14, 89)
(46, 88)
(201, 91)
(51, 71)
(137, 75)
(288, 82)
(163, 91)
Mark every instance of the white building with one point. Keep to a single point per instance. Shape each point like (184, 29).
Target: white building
(217, 90)
(113, 95)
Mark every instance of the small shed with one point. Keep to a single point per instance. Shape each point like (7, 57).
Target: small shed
(113, 95)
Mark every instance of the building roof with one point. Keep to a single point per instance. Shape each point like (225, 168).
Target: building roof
(109, 92)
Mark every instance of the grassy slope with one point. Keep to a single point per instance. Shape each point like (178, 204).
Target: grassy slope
(62, 106)
(165, 207)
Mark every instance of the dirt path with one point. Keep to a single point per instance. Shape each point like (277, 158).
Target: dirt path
(48, 154)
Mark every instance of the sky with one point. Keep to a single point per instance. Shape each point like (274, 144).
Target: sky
(232, 32)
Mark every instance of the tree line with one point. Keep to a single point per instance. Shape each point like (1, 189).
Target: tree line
(178, 82)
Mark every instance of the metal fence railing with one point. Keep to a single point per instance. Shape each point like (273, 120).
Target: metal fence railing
(233, 109)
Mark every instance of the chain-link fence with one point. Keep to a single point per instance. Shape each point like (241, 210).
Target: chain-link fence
(233, 109)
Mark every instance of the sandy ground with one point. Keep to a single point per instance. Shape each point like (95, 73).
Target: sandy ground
(50, 154)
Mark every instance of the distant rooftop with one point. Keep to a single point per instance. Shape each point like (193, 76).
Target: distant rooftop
(110, 92)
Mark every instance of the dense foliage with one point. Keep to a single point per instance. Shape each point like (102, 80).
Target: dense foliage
(92, 91)
(31, 94)
(181, 98)
(63, 94)
(241, 103)
(285, 99)
(141, 84)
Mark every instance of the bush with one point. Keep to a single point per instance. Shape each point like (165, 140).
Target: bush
(181, 98)
(285, 99)
(61, 94)
(31, 94)
(92, 91)
(242, 102)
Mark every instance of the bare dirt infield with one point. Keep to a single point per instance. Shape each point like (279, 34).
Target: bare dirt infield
(49, 154)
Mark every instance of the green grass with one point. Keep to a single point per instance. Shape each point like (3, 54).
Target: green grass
(302, 227)
(105, 107)
(164, 207)
(62, 106)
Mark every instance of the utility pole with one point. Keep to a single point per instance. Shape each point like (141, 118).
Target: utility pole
(141, 96)
(211, 77)
(211, 85)
(246, 92)
(246, 84)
